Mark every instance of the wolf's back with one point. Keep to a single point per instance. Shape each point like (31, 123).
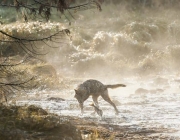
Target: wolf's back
(115, 86)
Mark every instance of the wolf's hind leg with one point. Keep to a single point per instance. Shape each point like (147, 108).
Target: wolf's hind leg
(105, 96)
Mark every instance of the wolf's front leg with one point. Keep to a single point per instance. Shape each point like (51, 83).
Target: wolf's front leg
(81, 106)
(95, 100)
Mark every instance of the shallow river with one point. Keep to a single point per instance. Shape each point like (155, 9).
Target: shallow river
(142, 105)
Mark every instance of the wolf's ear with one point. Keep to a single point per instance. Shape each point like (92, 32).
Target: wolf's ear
(75, 96)
(75, 90)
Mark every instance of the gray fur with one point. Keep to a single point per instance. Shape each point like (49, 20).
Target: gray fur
(95, 89)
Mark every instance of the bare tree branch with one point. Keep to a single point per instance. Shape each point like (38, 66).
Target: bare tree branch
(11, 79)
(44, 8)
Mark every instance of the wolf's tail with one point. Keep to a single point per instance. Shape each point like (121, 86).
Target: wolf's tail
(115, 86)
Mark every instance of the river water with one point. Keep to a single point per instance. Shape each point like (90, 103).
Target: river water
(144, 106)
(139, 48)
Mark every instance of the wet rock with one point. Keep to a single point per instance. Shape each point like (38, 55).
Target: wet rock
(177, 80)
(141, 91)
(152, 91)
(116, 102)
(56, 99)
(159, 90)
(160, 81)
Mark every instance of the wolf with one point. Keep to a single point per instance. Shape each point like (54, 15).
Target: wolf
(95, 89)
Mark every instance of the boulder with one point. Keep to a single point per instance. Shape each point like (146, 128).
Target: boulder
(160, 81)
(141, 91)
(56, 99)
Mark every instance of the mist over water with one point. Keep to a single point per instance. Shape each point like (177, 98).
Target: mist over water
(121, 42)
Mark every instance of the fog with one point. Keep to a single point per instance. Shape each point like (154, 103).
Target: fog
(120, 42)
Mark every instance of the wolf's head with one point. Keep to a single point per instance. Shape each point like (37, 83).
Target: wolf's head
(80, 94)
